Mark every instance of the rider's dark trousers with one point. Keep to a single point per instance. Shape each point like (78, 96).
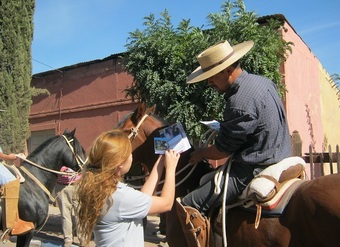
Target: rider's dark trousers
(203, 198)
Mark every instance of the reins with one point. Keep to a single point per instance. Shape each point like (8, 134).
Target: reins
(39, 166)
(80, 162)
(212, 133)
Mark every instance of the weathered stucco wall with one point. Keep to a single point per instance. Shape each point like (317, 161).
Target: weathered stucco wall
(330, 109)
(304, 81)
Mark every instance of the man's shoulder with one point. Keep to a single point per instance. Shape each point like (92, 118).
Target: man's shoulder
(256, 78)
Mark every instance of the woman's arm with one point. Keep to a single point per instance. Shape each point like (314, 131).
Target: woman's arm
(164, 202)
(154, 177)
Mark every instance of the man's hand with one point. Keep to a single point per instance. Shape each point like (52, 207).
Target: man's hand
(196, 156)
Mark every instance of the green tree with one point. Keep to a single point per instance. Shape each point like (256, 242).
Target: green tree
(160, 57)
(16, 34)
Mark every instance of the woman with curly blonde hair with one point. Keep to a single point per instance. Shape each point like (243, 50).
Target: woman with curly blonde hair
(109, 208)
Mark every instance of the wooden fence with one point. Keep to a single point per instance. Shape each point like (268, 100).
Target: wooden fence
(320, 163)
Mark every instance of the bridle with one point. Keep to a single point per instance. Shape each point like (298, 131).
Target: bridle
(80, 161)
(134, 130)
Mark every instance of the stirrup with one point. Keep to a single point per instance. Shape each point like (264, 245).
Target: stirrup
(5, 235)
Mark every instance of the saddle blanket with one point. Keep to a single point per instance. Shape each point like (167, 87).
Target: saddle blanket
(262, 186)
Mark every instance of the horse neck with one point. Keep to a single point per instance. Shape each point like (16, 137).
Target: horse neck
(49, 157)
(152, 123)
(147, 131)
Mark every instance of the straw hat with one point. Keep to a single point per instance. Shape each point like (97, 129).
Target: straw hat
(216, 58)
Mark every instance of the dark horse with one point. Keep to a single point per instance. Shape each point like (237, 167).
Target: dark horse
(50, 156)
(311, 218)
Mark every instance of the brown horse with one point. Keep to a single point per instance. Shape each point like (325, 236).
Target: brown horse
(312, 217)
(142, 125)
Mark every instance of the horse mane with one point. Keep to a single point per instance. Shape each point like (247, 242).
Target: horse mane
(123, 120)
(42, 146)
(158, 118)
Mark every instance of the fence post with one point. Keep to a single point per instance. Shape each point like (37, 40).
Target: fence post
(330, 159)
(296, 144)
(311, 162)
(337, 158)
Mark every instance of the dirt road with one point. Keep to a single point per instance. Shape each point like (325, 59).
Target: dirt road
(51, 234)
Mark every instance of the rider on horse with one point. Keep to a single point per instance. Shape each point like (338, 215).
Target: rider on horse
(10, 188)
(254, 129)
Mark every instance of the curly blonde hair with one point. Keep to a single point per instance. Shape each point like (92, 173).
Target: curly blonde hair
(99, 179)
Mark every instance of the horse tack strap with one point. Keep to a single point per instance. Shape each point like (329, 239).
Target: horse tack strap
(272, 179)
(41, 167)
(134, 131)
(258, 215)
(38, 183)
(79, 160)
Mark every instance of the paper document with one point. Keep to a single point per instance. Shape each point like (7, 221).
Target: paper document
(172, 137)
(215, 125)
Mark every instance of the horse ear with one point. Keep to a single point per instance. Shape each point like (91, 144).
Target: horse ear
(73, 132)
(67, 132)
(138, 113)
(151, 109)
(141, 109)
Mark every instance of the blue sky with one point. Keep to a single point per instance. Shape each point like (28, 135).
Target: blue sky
(68, 32)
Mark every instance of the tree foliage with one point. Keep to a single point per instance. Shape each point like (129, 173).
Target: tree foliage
(16, 34)
(161, 56)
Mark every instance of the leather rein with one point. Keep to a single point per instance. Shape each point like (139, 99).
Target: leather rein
(79, 160)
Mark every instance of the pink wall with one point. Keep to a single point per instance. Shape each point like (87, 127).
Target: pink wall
(302, 81)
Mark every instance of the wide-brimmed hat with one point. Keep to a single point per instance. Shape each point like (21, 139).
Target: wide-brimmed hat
(218, 57)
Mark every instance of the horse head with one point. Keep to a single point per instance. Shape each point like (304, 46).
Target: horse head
(140, 125)
(75, 156)
(146, 124)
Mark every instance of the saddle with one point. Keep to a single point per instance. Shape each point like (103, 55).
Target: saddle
(270, 191)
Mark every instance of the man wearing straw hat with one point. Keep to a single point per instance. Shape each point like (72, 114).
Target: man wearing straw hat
(254, 129)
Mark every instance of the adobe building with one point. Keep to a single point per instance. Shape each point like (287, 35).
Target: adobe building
(312, 99)
(88, 96)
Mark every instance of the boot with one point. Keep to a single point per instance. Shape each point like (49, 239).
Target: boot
(196, 227)
(10, 210)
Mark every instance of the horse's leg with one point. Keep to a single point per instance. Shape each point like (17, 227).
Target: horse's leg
(24, 239)
(162, 223)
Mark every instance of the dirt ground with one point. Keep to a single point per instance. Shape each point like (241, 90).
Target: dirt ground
(51, 234)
